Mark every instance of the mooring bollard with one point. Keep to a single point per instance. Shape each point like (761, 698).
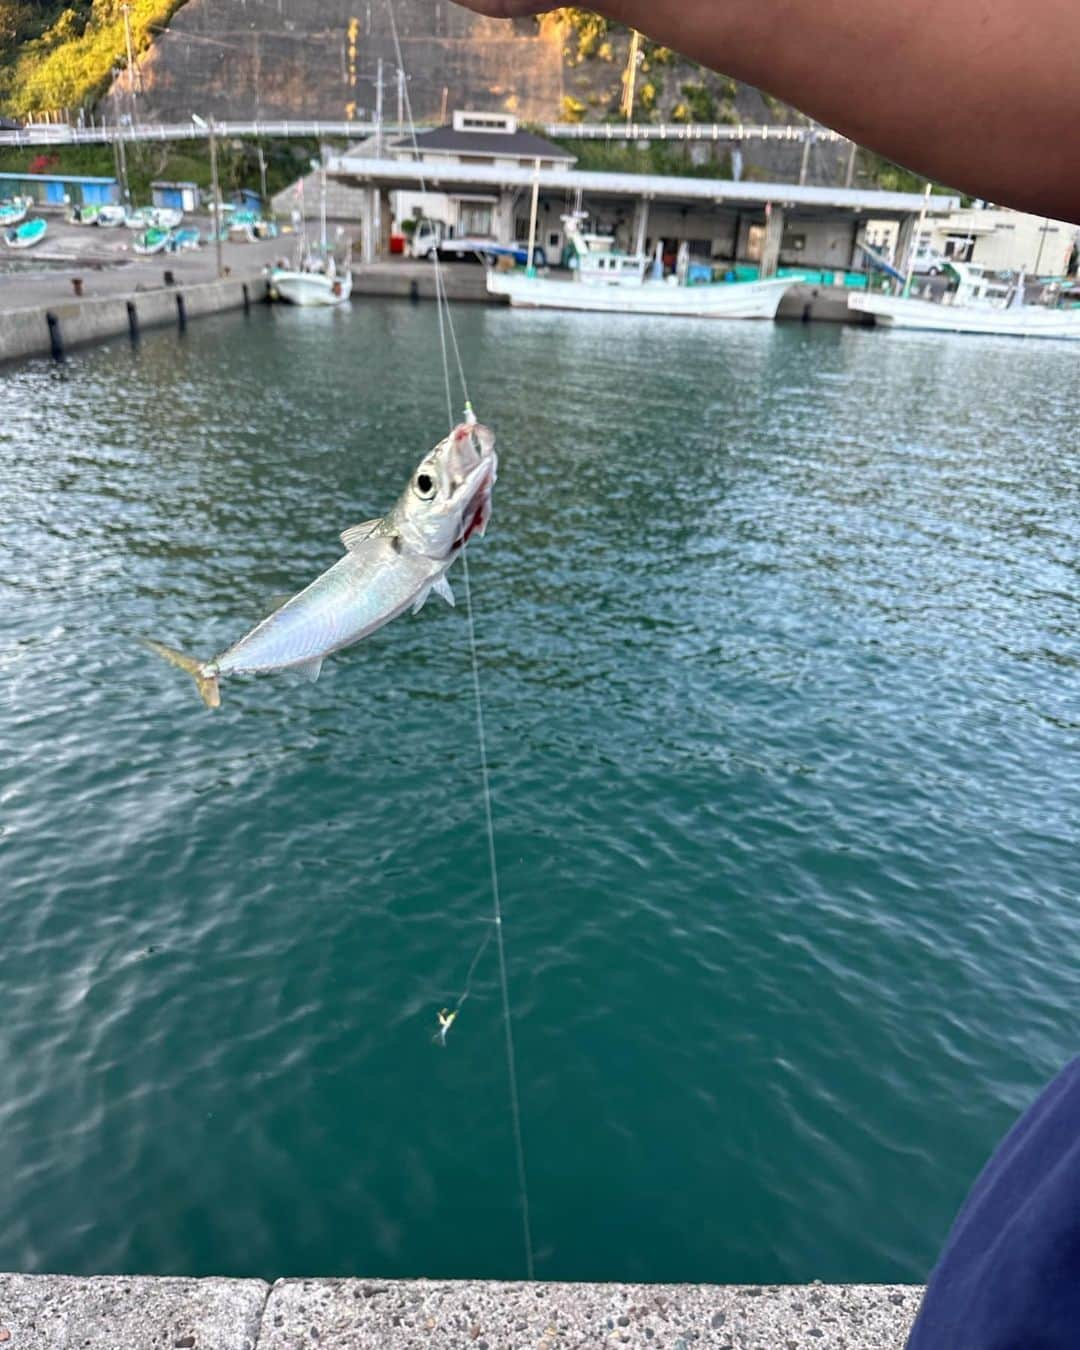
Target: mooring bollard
(170, 279)
(247, 299)
(77, 285)
(414, 290)
(56, 338)
(133, 322)
(181, 313)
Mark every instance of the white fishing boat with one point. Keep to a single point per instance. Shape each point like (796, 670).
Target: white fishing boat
(315, 282)
(109, 217)
(317, 278)
(165, 217)
(613, 282)
(979, 304)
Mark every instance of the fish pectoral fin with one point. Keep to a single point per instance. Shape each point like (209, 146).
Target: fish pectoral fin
(421, 600)
(356, 534)
(310, 669)
(442, 588)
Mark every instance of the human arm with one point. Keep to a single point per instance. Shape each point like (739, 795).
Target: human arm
(978, 94)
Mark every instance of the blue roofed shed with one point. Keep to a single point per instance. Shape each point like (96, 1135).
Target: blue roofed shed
(52, 189)
(180, 196)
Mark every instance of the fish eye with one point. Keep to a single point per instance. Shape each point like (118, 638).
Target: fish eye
(425, 486)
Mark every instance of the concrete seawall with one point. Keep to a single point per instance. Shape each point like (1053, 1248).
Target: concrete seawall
(50, 1312)
(37, 329)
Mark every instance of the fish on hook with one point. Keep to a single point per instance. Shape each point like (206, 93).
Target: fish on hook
(392, 564)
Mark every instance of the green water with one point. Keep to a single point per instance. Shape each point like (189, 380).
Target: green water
(777, 634)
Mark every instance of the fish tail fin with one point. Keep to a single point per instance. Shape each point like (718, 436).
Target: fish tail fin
(207, 684)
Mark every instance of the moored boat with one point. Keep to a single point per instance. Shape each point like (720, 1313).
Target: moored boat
(979, 304)
(308, 285)
(26, 235)
(609, 281)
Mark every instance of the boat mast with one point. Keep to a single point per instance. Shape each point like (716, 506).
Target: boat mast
(322, 205)
(915, 238)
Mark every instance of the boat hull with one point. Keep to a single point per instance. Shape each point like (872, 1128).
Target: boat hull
(26, 236)
(311, 288)
(721, 300)
(893, 311)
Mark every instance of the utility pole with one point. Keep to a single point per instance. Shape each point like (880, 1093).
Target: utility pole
(808, 141)
(400, 98)
(126, 11)
(121, 164)
(262, 174)
(215, 187)
(379, 110)
(631, 77)
(849, 177)
(529, 269)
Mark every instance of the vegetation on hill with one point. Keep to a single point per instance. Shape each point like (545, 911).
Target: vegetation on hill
(62, 56)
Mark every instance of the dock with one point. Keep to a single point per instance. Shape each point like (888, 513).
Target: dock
(85, 285)
(40, 1312)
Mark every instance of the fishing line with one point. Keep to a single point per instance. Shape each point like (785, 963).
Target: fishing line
(446, 322)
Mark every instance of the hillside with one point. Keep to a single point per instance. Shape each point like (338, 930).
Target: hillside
(275, 59)
(62, 56)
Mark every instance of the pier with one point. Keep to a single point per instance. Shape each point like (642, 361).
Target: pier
(39, 1312)
(84, 285)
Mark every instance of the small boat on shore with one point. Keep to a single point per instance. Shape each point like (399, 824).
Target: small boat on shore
(26, 235)
(82, 215)
(14, 211)
(609, 281)
(184, 240)
(165, 217)
(978, 304)
(150, 241)
(109, 217)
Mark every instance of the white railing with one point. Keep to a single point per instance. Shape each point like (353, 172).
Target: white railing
(63, 133)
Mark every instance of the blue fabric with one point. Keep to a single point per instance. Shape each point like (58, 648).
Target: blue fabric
(1009, 1276)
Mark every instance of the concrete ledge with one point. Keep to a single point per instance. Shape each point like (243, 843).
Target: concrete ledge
(25, 332)
(413, 279)
(113, 1312)
(47, 1312)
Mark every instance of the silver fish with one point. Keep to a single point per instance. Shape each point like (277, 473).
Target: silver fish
(392, 563)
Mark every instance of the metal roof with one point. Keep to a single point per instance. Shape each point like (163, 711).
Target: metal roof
(712, 191)
(29, 177)
(515, 144)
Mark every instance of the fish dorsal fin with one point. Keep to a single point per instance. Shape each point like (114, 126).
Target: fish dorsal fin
(356, 534)
(310, 669)
(442, 588)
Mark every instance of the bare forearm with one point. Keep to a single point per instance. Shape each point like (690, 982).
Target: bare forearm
(979, 94)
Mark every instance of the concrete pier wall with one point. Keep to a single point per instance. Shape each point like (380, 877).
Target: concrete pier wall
(27, 331)
(465, 281)
(47, 1312)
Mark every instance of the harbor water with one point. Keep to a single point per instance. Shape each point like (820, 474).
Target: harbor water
(777, 638)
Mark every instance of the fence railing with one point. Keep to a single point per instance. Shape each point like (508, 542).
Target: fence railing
(64, 133)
